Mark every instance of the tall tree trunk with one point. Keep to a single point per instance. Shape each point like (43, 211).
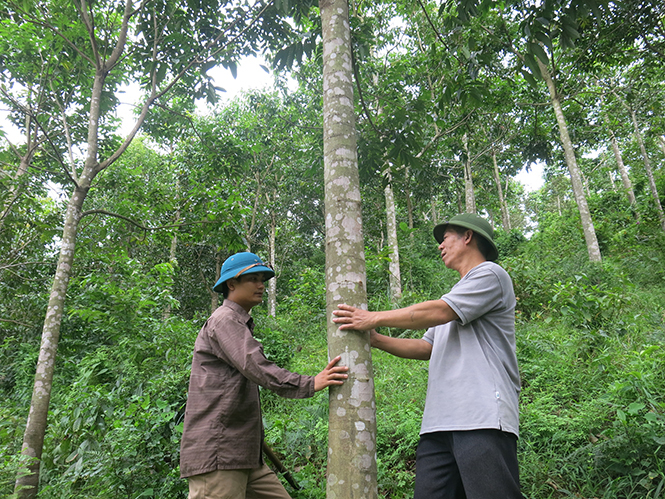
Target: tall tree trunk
(575, 174)
(661, 141)
(26, 486)
(469, 195)
(502, 202)
(391, 228)
(625, 179)
(351, 470)
(35, 429)
(272, 283)
(647, 167)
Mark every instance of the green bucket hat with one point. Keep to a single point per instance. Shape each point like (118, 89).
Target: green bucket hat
(470, 221)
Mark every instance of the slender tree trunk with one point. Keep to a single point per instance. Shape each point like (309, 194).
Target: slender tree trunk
(625, 179)
(25, 158)
(469, 195)
(26, 486)
(611, 179)
(272, 283)
(214, 299)
(35, 429)
(647, 167)
(15, 188)
(661, 141)
(391, 229)
(575, 173)
(352, 469)
(435, 211)
(502, 202)
(409, 201)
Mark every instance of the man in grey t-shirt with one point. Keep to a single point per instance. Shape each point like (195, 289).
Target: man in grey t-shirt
(468, 437)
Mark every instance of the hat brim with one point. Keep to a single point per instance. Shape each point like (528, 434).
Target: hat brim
(440, 230)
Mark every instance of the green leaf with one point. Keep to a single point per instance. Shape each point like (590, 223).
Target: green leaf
(539, 52)
(529, 78)
(530, 61)
(544, 39)
(635, 407)
(161, 72)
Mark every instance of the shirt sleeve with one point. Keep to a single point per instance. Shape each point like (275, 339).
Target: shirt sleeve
(233, 342)
(478, 293)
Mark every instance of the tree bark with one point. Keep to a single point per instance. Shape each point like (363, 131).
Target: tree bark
(352, 422)
(469, 195)
(505, 216)
(391, 228)
(35, 429)
(647, 167)
(625, 179)
(272, 283)
(214, 299)
(575, 174)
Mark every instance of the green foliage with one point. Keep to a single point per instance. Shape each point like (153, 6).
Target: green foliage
(586, 304)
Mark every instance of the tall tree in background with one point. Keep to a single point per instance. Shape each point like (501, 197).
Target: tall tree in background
(166, 50)
(352, 471)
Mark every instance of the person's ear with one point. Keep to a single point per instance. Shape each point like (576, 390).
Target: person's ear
(468, 235)
(231, 283)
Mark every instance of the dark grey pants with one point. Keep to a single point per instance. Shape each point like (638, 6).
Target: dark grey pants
(476, 464)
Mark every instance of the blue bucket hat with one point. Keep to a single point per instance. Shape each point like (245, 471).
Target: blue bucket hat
(239, 264)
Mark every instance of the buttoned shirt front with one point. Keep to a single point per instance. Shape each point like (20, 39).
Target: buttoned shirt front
(223, 427)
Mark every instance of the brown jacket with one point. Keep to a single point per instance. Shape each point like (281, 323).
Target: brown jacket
(223, 429)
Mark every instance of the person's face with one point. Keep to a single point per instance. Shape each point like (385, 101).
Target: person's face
(247, 291)
(452, 248)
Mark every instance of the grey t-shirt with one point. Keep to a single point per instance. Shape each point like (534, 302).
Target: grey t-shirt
(474, 381)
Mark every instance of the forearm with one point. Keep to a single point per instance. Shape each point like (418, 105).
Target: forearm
(418, 316)
(407, 348)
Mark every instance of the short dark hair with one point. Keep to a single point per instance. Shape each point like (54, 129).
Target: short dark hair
(483, 244)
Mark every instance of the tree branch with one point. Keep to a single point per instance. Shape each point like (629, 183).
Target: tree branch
(360, 94)
(140, 226)
(17, 322)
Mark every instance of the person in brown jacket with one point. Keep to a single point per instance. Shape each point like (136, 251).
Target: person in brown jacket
(220, 451)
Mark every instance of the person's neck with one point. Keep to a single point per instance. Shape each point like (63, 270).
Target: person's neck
(247, 308)
(470, 264)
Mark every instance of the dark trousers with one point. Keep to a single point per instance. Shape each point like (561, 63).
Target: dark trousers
(476, 464)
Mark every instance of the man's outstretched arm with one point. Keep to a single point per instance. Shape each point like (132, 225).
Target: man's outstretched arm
(407, 348)
(418, 316)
